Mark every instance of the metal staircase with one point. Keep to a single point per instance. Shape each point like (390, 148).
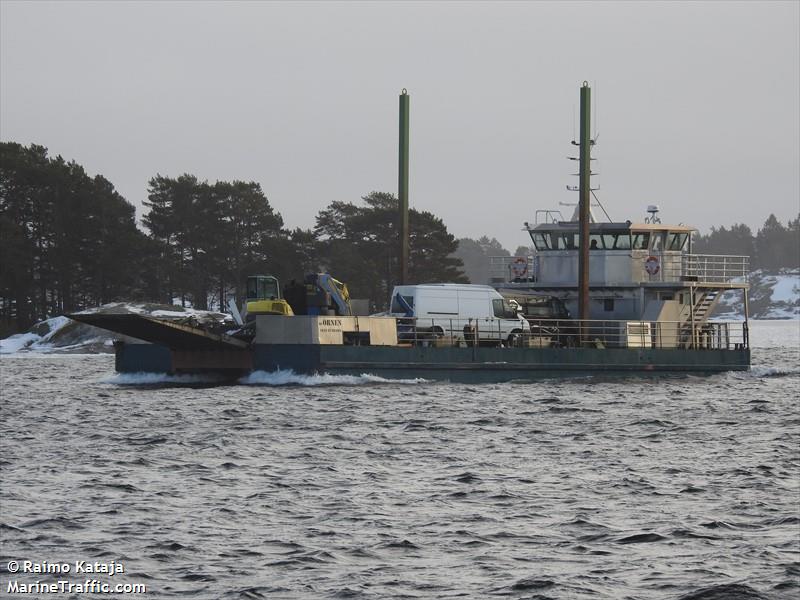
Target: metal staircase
(705, 299)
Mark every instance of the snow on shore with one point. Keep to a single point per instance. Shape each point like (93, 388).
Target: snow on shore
(772, 296)
(39, 337)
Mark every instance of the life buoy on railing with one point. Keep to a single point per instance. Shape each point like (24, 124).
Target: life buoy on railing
(519, 267)
(651, 265)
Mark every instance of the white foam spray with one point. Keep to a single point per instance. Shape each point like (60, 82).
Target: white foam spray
(161, 378)
(289, 377)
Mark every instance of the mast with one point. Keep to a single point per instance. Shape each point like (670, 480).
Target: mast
(402, 185)
(584, 203)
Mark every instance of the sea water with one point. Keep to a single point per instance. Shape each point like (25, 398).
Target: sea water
(287, 486)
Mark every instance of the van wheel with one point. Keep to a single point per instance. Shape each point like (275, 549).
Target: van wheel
(515, 337)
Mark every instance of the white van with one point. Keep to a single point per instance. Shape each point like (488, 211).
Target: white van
(456, 309)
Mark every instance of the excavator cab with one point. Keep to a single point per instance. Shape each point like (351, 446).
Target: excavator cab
(264, 297)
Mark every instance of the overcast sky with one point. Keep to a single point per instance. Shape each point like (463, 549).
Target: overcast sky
(697, 104)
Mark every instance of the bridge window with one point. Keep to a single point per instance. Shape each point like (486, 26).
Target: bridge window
(564, 241)
(616, 241)
(641, 240)
(658, 242)
(540, 241)
(570, 240)
(610, 241)
(676, 241)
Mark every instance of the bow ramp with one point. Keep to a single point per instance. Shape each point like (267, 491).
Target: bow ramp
(173, 335)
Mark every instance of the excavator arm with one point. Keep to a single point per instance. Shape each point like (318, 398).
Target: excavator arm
(338, 292)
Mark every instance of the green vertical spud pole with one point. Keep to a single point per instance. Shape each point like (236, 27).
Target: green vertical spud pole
(402, 186)
(584, 208)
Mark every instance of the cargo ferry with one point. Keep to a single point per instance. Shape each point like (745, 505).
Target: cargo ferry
(595, 298)
(650, 299)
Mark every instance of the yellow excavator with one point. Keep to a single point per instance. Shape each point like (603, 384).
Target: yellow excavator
(320, 294)
(264, 297)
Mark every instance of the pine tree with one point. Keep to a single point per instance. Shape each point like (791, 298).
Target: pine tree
(360, 245)
(212, 236)
(770, 241)
(65, 238)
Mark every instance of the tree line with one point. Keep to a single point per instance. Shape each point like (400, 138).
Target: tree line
(773, 247)
(69, 241)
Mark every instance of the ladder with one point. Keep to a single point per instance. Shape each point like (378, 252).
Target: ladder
(705, 301)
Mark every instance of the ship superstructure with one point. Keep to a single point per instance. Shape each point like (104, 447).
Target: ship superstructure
(637, 272)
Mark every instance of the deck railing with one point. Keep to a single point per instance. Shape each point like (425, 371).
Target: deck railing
(715, 268)
(573, 333)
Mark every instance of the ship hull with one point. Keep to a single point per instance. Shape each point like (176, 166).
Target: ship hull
(468, 365)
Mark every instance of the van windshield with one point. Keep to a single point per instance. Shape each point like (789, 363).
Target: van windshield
(503, 309)
(397, 306)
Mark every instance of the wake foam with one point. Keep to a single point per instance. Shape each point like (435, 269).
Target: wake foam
(764, 372)
(289, 377)
(143, 378)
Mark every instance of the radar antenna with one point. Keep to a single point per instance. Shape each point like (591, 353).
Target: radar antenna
(653, 218)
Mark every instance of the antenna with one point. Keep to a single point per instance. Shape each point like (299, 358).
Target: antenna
(653, 209)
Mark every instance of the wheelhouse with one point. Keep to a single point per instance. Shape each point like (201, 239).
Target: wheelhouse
(612, 236)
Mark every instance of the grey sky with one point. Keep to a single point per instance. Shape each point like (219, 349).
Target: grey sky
(697, 103)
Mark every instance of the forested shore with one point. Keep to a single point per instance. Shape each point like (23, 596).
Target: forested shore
(69, 241)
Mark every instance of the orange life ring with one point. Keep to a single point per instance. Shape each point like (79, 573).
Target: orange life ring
(519, 267)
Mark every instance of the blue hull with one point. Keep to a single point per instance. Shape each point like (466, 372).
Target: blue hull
(469, 365)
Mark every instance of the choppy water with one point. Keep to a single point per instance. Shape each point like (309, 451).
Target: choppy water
(352, 488)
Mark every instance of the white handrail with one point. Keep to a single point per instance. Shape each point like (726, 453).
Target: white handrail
(571, 333)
